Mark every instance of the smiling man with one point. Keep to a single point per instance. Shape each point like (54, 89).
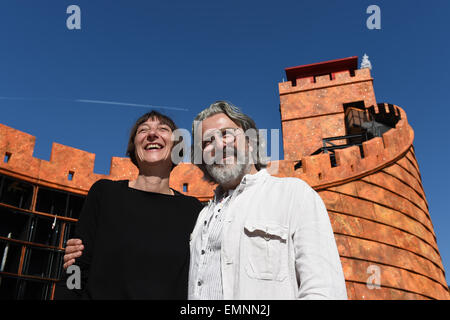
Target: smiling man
(261, 237)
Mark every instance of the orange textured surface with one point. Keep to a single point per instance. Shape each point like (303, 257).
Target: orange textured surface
(376, 203)
(312, 111)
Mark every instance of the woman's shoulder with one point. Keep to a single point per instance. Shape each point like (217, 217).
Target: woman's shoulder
(195, 203)
(107, 184)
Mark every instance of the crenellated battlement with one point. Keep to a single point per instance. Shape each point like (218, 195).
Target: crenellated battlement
(68, 168)
(72, 169)
(378, 152)
(323, 81)
(385, 113)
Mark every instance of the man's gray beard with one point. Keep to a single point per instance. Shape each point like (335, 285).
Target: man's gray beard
(226, 173)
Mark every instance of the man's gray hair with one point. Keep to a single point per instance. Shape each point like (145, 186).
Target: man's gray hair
(243, 121)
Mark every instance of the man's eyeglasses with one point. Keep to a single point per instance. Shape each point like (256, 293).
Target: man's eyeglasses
(228, 136)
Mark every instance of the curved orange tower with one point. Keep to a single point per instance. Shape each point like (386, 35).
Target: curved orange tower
(359, 156)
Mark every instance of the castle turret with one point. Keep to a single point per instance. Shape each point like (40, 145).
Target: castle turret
(314, 100)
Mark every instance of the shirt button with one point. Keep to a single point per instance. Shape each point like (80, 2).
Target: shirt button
(218, 210)
(203, 251)
(205, 222)
(199, 283)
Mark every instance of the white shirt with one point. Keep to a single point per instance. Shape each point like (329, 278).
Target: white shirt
(207, 272)
(277, 243)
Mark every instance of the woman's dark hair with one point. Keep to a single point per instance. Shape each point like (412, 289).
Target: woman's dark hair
(154, 115)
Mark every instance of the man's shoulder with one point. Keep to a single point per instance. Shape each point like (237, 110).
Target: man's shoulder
(291, 188)
(289, 182)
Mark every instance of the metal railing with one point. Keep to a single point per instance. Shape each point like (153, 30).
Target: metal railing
(330, 147)
(371, 125)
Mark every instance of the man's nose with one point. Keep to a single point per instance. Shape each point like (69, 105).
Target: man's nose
(219, 142)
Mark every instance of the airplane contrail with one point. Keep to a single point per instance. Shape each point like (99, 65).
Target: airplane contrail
(16, 98)
(129, 104)
(116, 103)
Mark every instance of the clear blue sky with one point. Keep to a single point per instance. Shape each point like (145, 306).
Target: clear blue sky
(187, 54)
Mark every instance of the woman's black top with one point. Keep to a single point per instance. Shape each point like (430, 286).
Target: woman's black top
(136, 244)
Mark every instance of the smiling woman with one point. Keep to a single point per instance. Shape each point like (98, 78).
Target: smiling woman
(135, 234)
(152, 131)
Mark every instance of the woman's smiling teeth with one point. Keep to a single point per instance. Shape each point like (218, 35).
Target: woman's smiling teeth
(153, 146)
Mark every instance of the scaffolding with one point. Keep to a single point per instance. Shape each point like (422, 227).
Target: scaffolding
(35, 223)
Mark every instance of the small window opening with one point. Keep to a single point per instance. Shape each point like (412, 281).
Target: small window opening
(7, 157)
(185, 187)
(70, 176)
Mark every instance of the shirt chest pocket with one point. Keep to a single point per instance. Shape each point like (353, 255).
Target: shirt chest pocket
(266, 250)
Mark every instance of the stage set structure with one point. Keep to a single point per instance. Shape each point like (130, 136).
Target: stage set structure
(358, 154)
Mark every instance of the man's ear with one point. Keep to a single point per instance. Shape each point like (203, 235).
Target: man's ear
(250, 148)
(248, 144)
(253, 149)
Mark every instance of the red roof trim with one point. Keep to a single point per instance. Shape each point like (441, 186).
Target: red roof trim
(321, 68)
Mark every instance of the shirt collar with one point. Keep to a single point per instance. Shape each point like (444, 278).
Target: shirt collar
(250, 179)
(219, 194)
(247, 180)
